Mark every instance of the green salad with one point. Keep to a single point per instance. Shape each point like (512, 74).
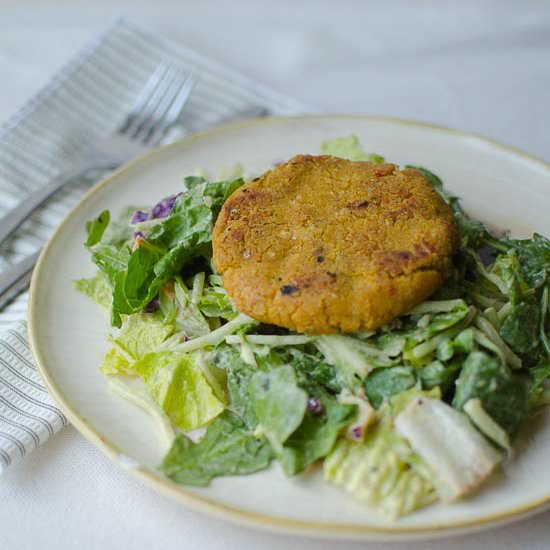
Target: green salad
(423, 409)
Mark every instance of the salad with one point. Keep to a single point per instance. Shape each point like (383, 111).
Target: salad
(421, 410)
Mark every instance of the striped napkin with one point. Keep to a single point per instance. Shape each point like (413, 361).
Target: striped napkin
(85, 101)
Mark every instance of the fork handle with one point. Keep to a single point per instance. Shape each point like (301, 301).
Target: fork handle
(14, 218)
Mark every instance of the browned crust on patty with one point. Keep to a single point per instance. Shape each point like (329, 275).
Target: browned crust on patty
(323, 245)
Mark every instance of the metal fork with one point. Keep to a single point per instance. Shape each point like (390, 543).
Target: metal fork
(155, 112)
(140, 131)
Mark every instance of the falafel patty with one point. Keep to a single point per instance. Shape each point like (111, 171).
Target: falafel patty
(322, 244)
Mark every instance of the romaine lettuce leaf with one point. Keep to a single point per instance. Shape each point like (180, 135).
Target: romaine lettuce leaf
(279, 404)
(458, 455)
(135, 392)
(178, 386)
(349, 148)
(382, 471)
(142, 333)
(115, 363)
(228, 448)
(97, 288)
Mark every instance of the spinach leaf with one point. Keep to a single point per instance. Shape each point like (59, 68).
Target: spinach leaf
(520, 329)
(279, 404)
(381, 384)
(134, 287)
(239, 375)
(110, 260)
(317, 434)
(97, 227)
(185, 234)
(534, 259)
(228, 448)
(504, 394)
(312, 370)
(438, 374)
(305, 432)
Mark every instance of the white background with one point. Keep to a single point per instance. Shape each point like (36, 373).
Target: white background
(481, 66)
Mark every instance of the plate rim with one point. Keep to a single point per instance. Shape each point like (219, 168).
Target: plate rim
(210, 506)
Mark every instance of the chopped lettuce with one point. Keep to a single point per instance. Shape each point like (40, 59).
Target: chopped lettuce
(97, 288)
(141, 334)
(322, 423)
(188, 316)
(382, 471)
(178, 385)
(137, 274)
(115, 362)
(239, 374)
(457, 454)
(439, 374)
(375, 405)
(279, 404)
(349, 148)
(503, 394)
(217, 303)
(382, 384)
(138, 395)
(228, 448)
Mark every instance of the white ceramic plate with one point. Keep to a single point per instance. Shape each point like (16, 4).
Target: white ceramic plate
(68, 332)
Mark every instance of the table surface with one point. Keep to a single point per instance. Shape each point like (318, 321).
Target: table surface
(477, 66)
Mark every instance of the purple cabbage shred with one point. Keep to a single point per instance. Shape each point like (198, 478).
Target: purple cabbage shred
(164, 207)
(315, 406)
(139, 216)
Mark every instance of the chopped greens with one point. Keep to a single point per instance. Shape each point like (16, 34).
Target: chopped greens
(228, 448)
(401, 416)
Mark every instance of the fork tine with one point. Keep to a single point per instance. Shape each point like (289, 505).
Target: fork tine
(179, 102)
(156, 98)
(165, 94)
(169, 109)
(144, 97)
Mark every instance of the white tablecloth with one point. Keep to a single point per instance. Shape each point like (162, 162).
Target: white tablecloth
(477, 66)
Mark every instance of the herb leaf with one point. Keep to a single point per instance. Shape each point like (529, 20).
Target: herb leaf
(504, 395)
(381, 384)
(228, 448)
(279, 403)
(97, 227)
